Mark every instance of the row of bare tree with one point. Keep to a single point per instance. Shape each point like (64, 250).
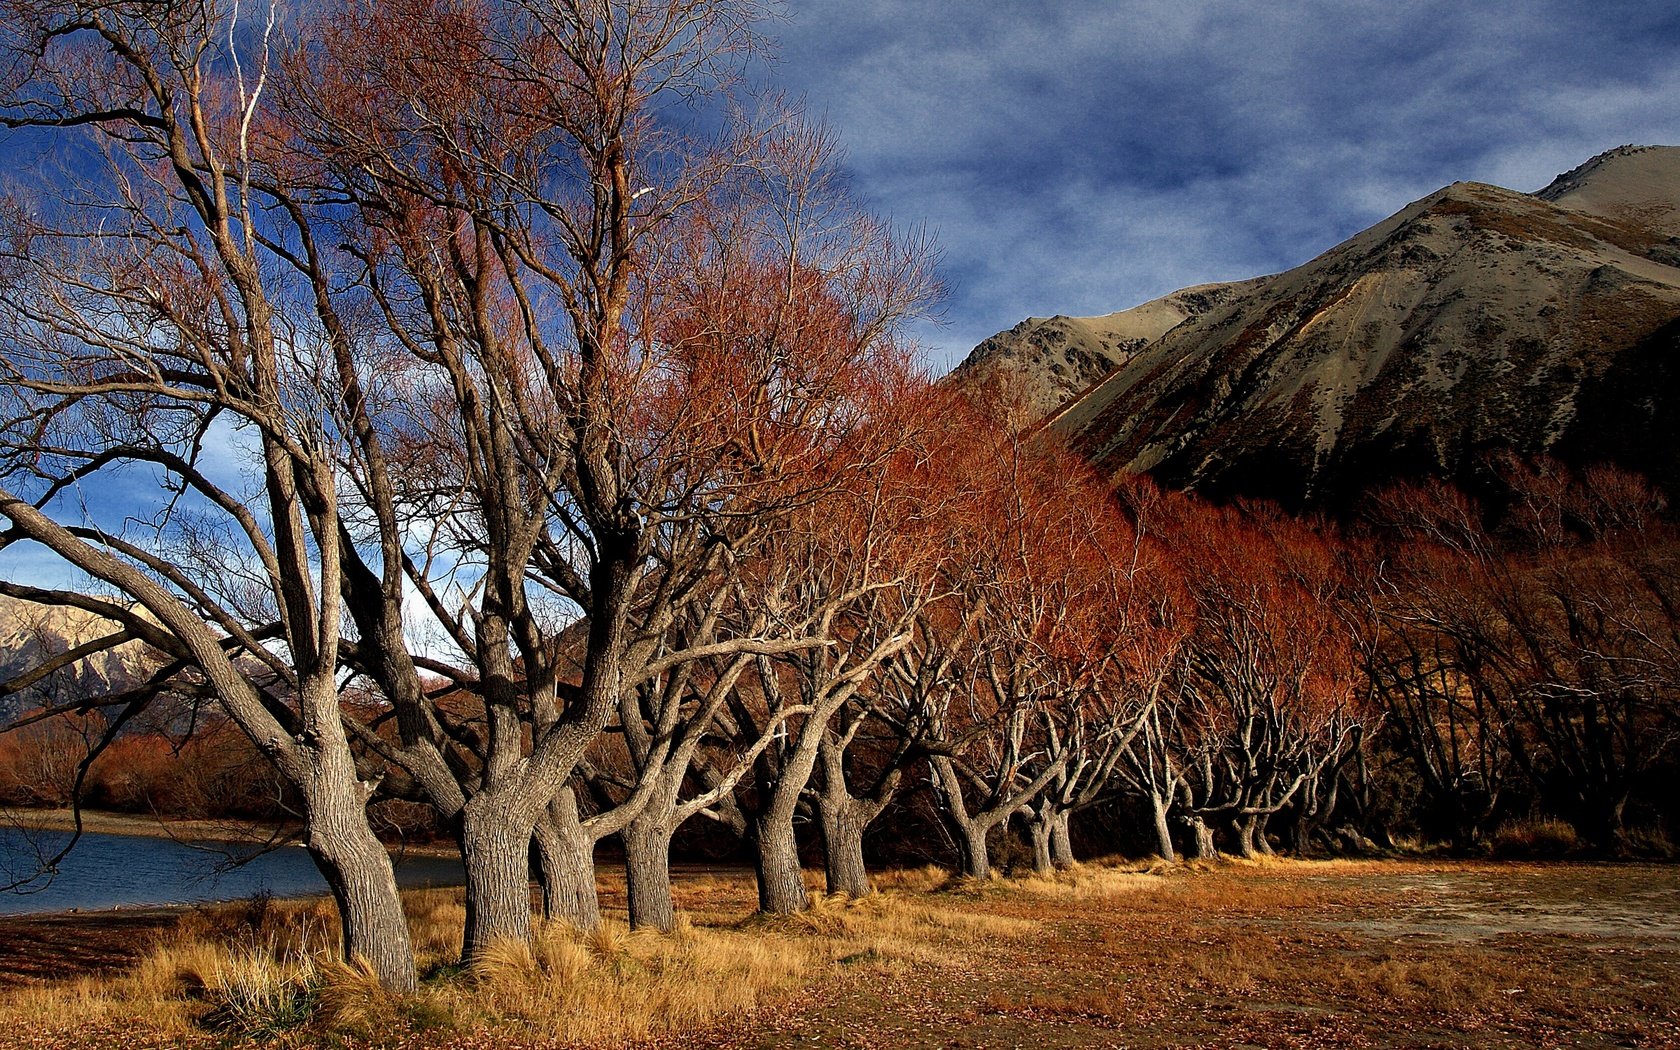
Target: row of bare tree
(1527, 649)
(412, 346)
(442, 414)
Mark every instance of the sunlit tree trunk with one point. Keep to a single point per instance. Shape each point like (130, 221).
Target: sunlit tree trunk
(358, 871)
(566, 865)
(1038, 835)
(1201, 838)
(842, 820)
(647, 868)
(496, 852)
(1242, 834)
(1061, 841)
(781, 881)
(1163, 830)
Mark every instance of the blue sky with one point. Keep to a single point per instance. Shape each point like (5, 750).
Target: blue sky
(1083, 156)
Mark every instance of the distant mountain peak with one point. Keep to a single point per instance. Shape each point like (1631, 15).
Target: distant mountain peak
(1047, 361)
(1583, 173)
(1633, 184)
(1475, 319)
(31, 634)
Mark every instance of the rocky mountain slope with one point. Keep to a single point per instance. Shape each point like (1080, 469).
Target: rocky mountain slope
(1476, 319)
(31, 633)
(1045, 362)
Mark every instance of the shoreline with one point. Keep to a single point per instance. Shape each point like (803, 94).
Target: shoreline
(134, 825)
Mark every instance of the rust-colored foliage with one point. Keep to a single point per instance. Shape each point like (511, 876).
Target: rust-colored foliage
(1531, 656)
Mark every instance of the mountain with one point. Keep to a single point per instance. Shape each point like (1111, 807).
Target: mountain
(1046, 361)
(1476, 319)
(30, 633)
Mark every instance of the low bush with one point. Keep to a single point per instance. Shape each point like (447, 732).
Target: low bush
(1534, 838)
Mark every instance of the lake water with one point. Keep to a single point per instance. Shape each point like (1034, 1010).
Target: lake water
(110, 871)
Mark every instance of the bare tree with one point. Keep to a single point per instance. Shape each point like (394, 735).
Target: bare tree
(1271, 699)
(620, 350)
(146, 323)
(1030, 590)
(1539, 648)
(508, 350)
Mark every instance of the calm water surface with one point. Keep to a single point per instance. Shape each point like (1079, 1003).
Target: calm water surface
(111, 871)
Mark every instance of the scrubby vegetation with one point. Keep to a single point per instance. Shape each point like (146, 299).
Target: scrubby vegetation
(271, 971)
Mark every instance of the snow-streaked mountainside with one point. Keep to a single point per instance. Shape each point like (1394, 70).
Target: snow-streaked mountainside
(1476, 319)
(30, 633)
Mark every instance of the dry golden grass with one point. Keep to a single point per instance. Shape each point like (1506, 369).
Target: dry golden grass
(1142, 953)
(189, 984)
(1084, 882)
(925, 879)
(614, 985)
(1446, 982)
(268, 971)
(1537, 837)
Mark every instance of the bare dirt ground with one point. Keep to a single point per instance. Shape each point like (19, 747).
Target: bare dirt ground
(37, 948)
(1388, 954)
(1289, 954)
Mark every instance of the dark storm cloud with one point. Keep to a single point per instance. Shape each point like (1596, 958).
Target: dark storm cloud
(1080, 157)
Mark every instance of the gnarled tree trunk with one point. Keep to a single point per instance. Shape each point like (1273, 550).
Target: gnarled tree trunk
(1201, 838)
(647, 870)
(358, 871)
(1038, 834)
(781, 883)
(1061, 842)
(1242, 833)
(842, 820)
(566, 865)
(976, 859)
(1163, 830)
(495, 850)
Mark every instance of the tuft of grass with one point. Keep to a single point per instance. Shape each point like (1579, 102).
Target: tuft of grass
(1443, 983)
(248, 970)
(436, 919)
(1240, 968)
(1534, 838)
(258, 994)
(613, 985)
(929, 878)
(1091, 881)
(350, 999)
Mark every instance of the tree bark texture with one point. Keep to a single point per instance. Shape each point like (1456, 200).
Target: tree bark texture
(1038, 832)
(358, 870)
(496, 854)
(781, 883)
(842, 819)
(1061, 841)
(976, 858)
(647, 872)
(1201, 839)
(1242, 832)
(566, 870)
(1163, 830)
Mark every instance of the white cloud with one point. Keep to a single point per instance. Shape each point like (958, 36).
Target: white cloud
(1079, 156)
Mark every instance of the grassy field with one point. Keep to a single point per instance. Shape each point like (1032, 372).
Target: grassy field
(1280, 954)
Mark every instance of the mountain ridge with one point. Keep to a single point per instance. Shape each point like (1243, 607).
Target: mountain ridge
(1475, 319)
